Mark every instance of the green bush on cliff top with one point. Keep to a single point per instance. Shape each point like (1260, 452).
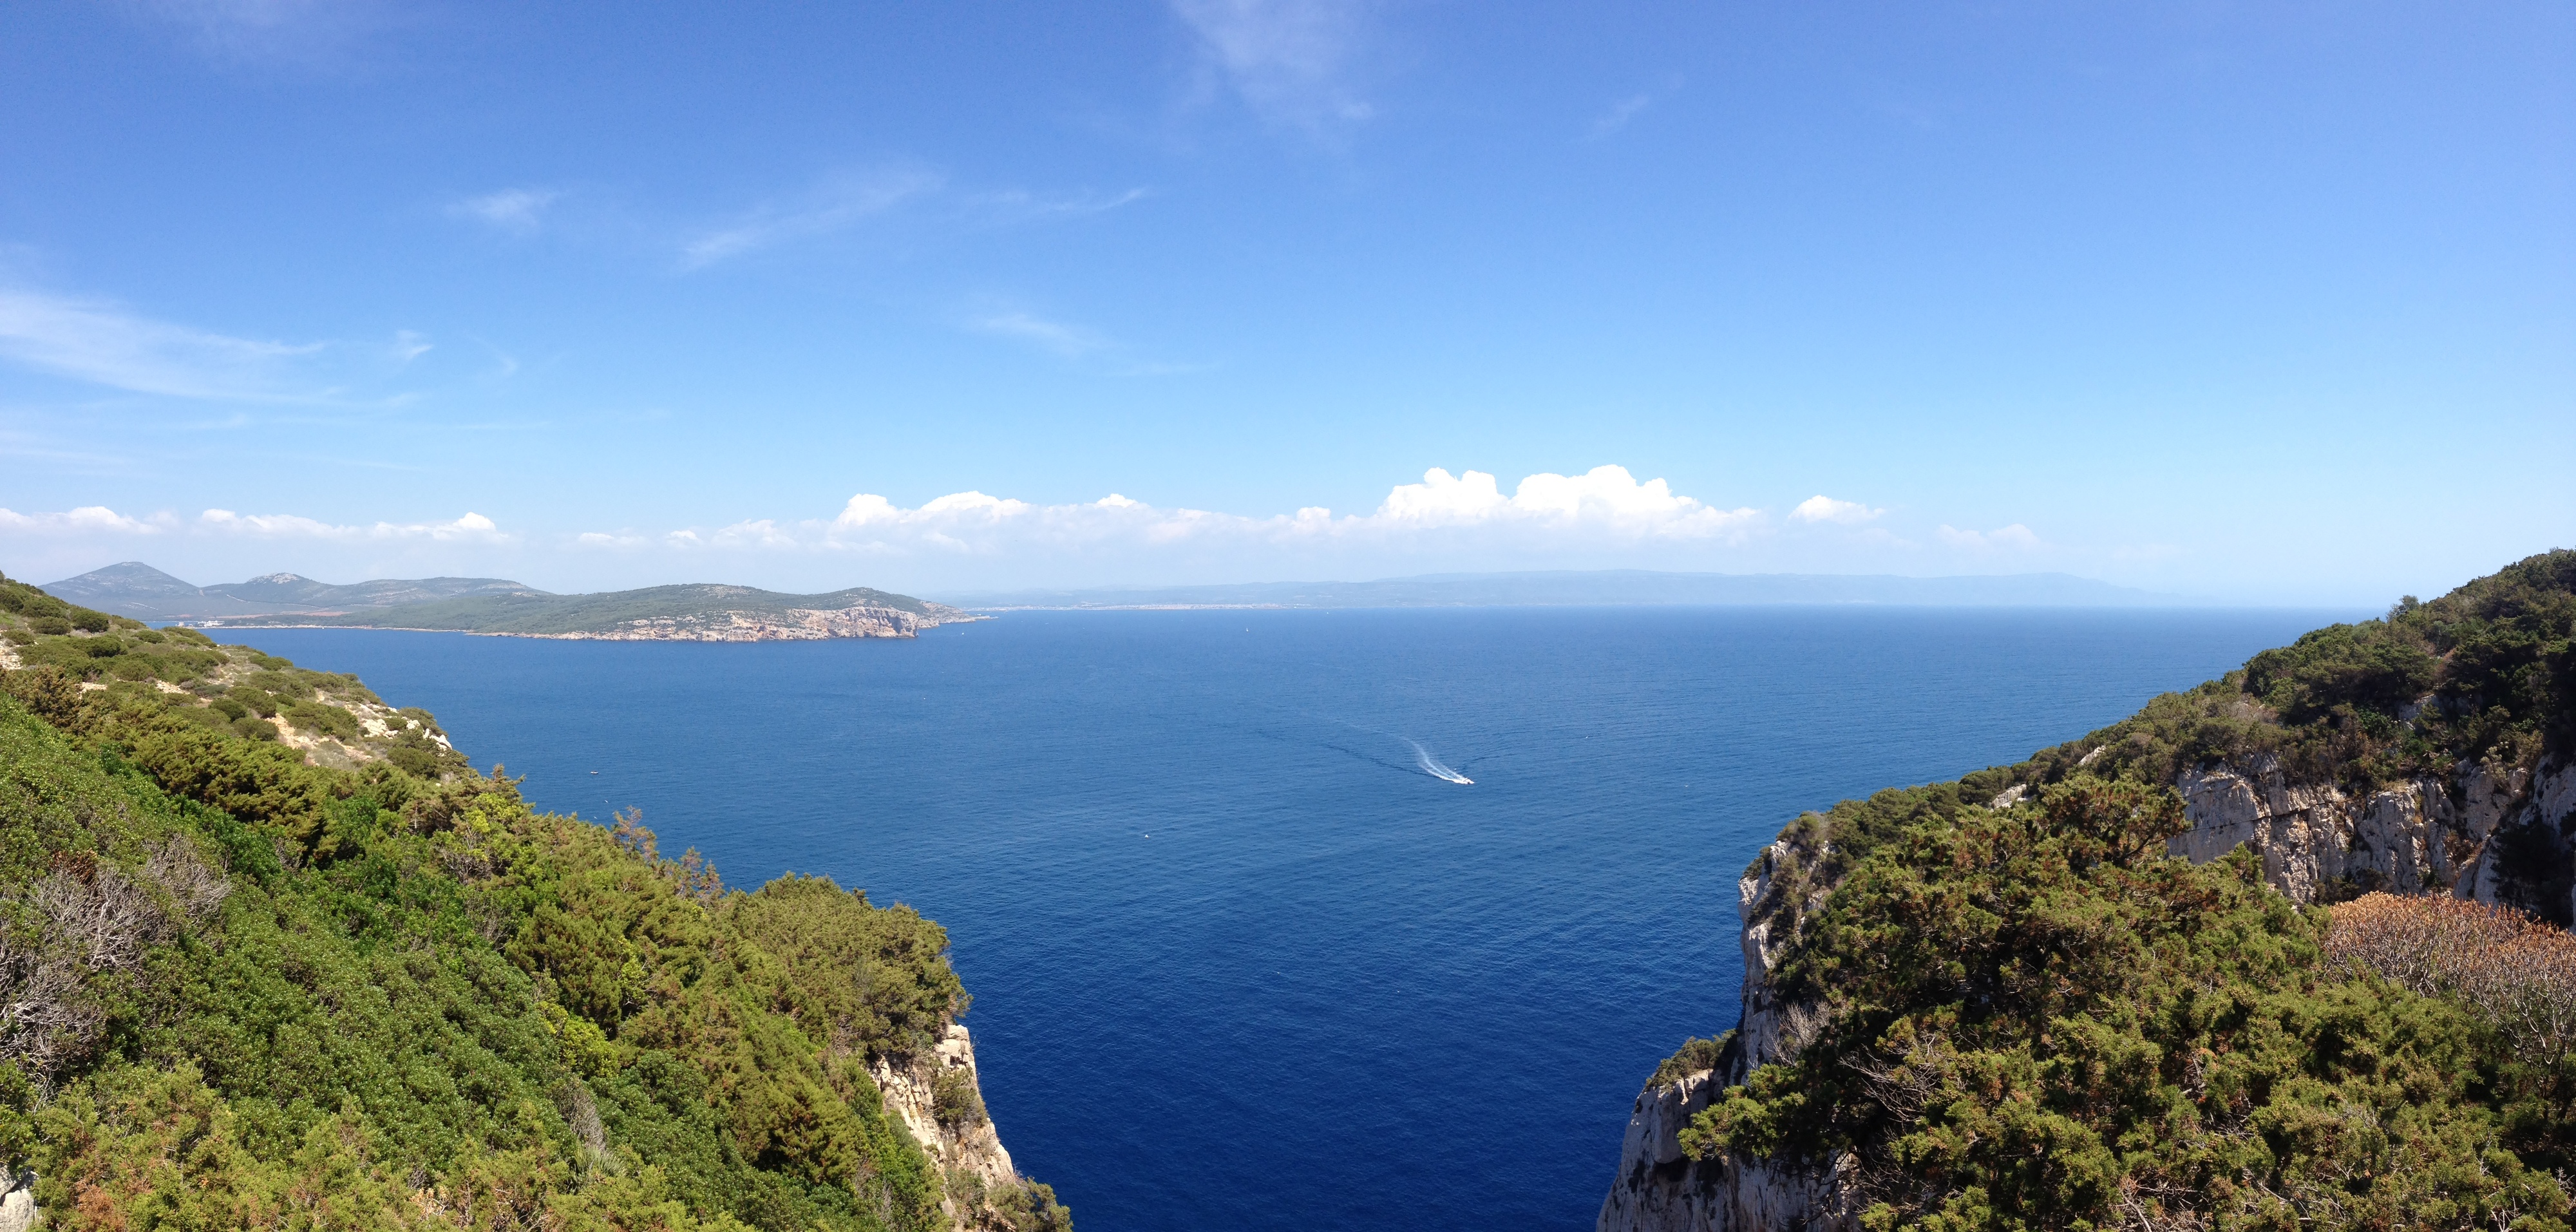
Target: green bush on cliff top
(2038, 1020)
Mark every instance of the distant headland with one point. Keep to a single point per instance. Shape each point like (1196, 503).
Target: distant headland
(692, 612)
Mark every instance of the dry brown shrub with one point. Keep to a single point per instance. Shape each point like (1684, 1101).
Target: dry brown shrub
(2517, 969)
(195, 886)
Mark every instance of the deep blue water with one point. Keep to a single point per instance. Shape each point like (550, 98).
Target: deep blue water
(1238, 960)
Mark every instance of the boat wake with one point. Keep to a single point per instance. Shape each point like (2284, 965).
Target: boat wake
(1432, 765)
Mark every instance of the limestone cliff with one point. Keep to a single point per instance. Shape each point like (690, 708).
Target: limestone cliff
(939, 1098)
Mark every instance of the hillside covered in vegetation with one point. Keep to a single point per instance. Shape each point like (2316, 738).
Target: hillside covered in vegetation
(2017, 1001)
(273, 955)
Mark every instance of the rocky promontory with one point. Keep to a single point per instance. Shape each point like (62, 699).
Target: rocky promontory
(2427, 754)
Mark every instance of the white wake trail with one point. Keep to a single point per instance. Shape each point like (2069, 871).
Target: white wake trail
(1432, 765)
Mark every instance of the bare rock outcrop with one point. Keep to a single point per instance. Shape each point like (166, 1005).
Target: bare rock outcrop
(1660, 1186)
(960, 1137)
(2423, 836)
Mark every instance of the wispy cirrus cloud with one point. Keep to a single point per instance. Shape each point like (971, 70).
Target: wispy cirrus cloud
(310, 34)
(1290, 61)
(1069, 341)
(1620, 113)
(104, 343)
(1018, 205)
(516, 211)
(836, 205)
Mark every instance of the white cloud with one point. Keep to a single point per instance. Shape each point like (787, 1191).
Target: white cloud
(94, 341)
(1018, 205)
(1603, 498)
(1606, 508)
(515, 210)
(2015, 537)
(1620, 113)
(1289, 60)
(88, 519)
(1070, 341)
(318, 34)
(287, 525)
(1822, 508)
(838, 204)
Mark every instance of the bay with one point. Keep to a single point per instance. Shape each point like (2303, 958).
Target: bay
(1242, 954)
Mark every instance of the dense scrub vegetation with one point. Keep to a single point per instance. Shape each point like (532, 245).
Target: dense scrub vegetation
(2483, 674)
(2026, 1015)
(2035, 1019)
(245, 984)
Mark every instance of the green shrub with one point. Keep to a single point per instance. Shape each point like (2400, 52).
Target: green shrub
(327, 719)
(343, 1037)
(953, 1098)
(88, 621)
(2034, 1019)
(55, 626)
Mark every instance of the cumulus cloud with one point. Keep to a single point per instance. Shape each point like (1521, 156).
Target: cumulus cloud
(515, 210)
(1822, 508)
(88, 519)
(1604, 508)
(1289, 60)
(2015, 537)
(1604, 498)
(287, 525)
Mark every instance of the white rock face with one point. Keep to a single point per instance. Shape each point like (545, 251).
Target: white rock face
(909, 1094)
(2427, 836)
(1659, 1187)
(18, 1211)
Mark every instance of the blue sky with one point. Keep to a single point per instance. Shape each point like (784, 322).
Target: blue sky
(2264, 303)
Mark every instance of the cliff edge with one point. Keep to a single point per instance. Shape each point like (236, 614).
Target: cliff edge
(2429, 753)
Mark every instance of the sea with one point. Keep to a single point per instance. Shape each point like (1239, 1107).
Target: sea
(1302, 919)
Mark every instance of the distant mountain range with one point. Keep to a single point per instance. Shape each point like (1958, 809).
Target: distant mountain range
(138, 590)
(1605, 587)
(696, 612)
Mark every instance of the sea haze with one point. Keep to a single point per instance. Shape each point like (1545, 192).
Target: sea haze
(1241, 955)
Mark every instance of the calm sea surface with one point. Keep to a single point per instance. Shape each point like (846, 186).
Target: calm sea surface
(1241, 957)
